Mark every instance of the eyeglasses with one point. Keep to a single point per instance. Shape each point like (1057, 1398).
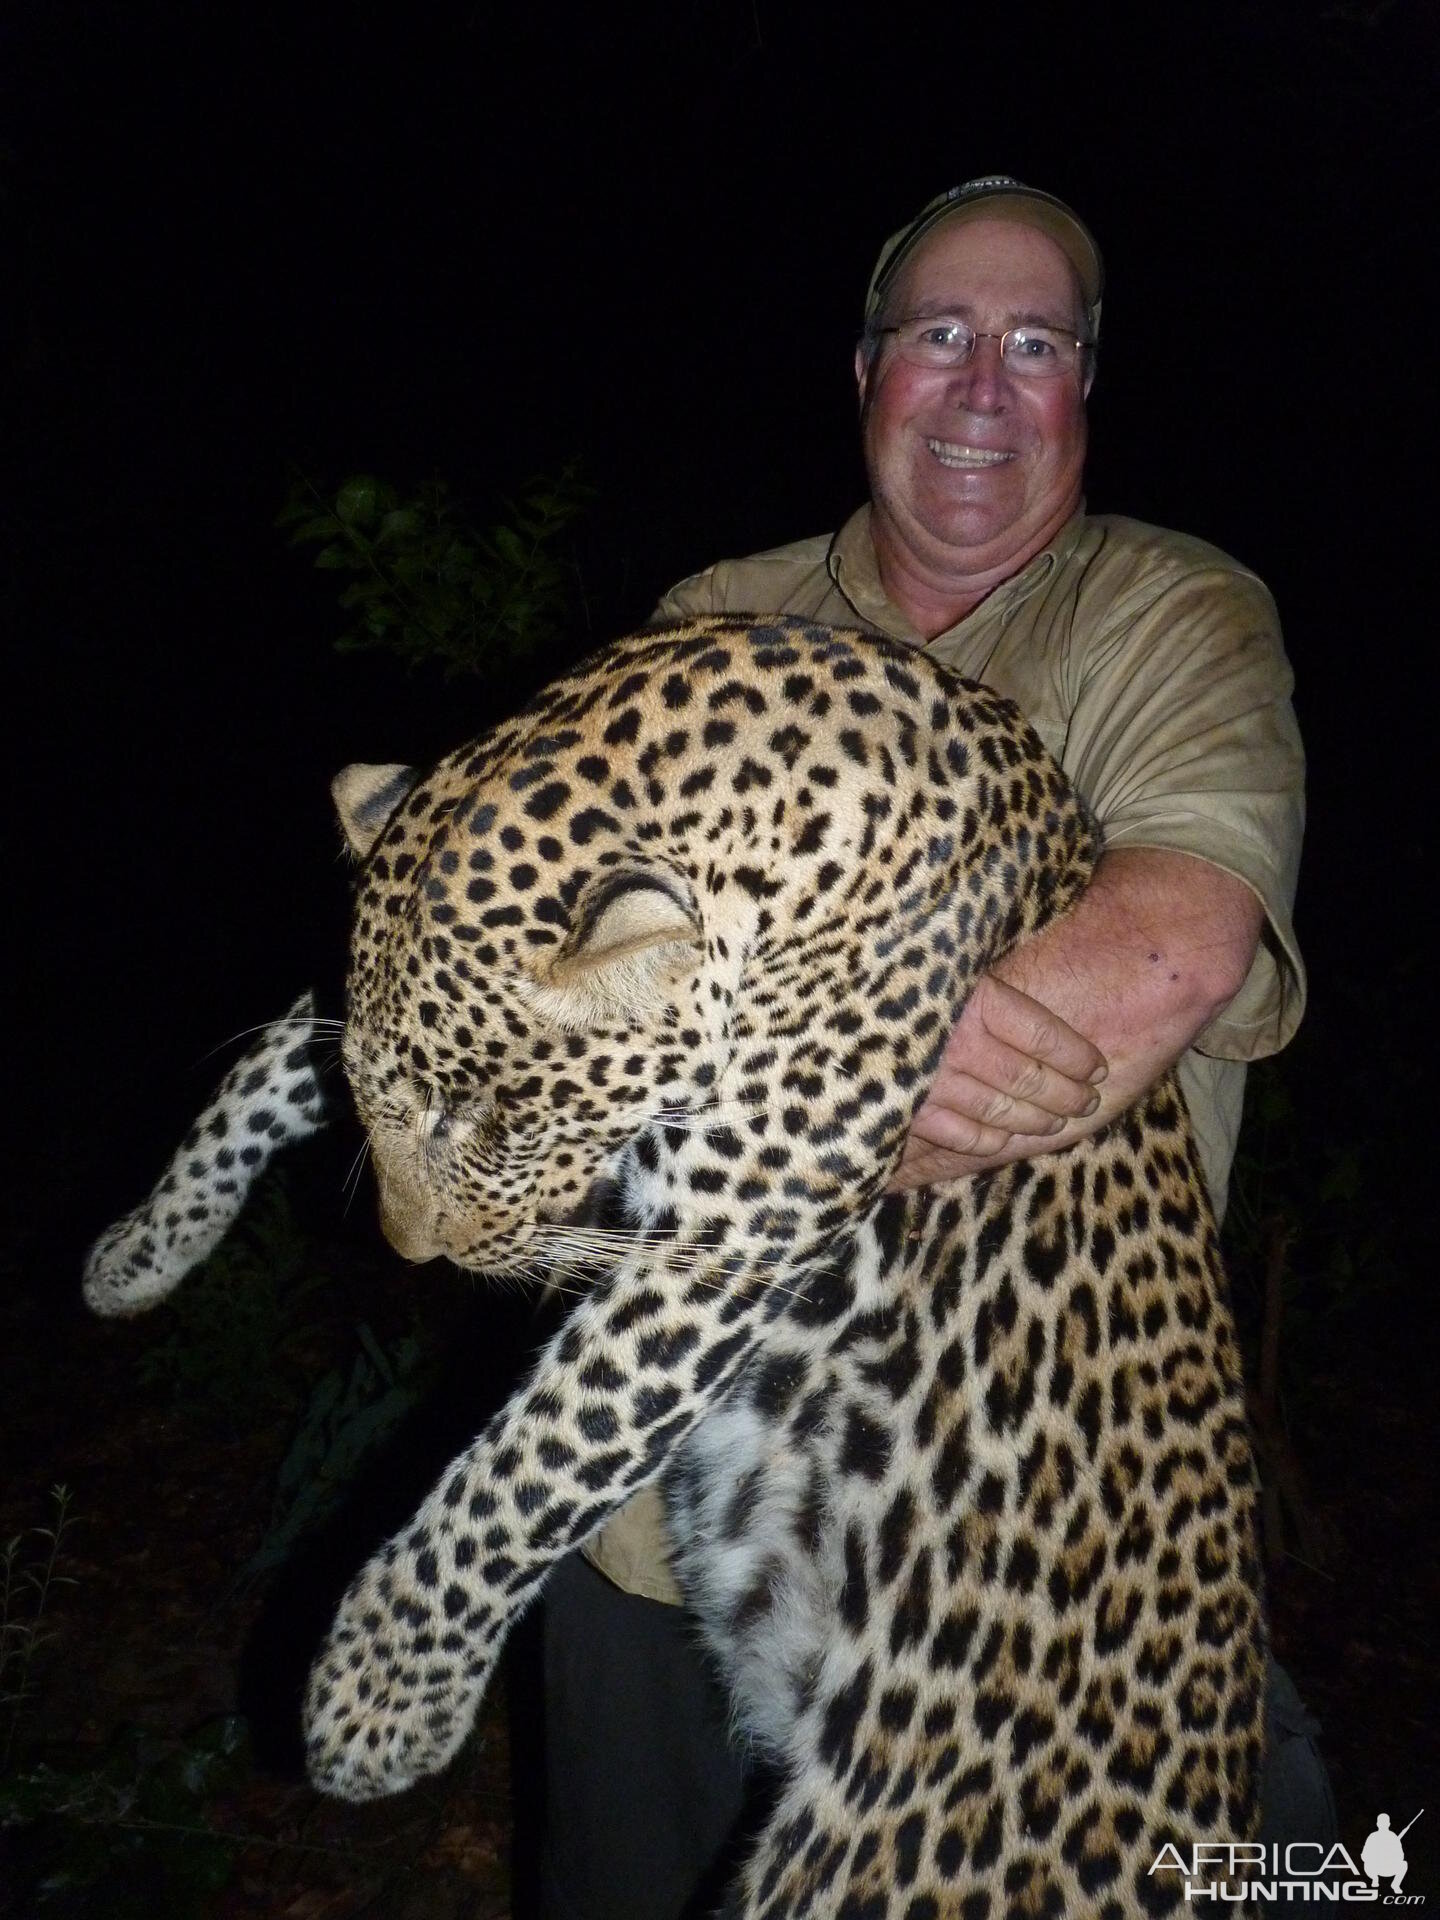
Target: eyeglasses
(1032, 353)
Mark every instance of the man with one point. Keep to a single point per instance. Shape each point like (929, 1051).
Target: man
(1152, 667)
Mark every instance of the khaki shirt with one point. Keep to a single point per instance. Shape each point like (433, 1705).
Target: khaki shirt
(1152, 667)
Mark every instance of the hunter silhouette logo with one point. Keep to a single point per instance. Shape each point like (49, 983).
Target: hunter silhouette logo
(1382, 1856)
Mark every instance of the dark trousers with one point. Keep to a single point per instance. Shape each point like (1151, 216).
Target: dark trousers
(646, 1793)
(643, 1789)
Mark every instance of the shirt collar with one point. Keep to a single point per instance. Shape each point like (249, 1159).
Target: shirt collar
(856, 572)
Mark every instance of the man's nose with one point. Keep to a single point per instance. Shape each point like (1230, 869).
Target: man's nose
(982, 383)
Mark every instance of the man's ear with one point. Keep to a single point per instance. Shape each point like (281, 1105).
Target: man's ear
(634, 934)
(365, 797)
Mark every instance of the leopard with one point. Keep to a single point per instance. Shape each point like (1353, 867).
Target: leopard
(645, 987)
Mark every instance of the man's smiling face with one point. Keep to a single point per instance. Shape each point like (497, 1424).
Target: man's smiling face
(973, 469)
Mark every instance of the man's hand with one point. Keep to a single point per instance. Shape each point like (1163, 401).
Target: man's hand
(1011, 1067)
(1072, 1027)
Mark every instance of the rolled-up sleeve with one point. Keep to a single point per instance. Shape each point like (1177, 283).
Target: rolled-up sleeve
(1183, 737)
(695, 595)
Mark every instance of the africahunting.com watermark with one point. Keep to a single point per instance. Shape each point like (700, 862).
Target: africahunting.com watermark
(1237, 1873)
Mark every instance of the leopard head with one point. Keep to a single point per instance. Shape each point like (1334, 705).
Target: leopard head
(685, 939)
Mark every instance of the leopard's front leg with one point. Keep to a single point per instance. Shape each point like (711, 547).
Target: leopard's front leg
(399, 1679)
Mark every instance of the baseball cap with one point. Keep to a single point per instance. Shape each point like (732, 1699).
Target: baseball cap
(996, 196)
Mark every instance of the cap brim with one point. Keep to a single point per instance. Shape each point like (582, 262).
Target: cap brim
(1036, 210)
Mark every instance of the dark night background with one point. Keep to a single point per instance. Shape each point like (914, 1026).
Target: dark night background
(477, 242)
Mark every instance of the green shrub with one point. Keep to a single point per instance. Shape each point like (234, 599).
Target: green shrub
(26, 1587)
(426, 585)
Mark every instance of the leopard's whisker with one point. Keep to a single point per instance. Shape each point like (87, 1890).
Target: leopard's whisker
(626, 1235)
(350, 1185)
(423, 1130)
(611, 1248)
(547, 1277)
(623, 1236)
(545, 1273)
(312, 1024)
(608, 1256)
(606, 1240)
(707, 1111)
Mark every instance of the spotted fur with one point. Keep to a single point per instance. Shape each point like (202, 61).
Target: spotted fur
(268, 1100)
(649, 982)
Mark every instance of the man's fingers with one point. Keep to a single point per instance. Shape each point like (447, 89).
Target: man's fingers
(1018, 1022)
(973, 1107)
(924, 1165)
(999, 1087)
(1012, 1070)
(953, 1130)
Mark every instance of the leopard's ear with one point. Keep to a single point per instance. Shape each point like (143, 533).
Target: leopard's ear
(365, 797)
(633, 934)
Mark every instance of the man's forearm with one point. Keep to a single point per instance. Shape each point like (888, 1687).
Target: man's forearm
(1153, 951)
(1156, 947)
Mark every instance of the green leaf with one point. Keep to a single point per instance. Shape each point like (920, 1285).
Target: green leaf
(362, 498)
(315, 526)
(508, 544)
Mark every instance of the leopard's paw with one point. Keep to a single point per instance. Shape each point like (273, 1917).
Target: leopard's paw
(395, 1689)
(270, 1098)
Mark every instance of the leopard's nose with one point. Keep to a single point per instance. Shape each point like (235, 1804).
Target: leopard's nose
(409, 1238)
(407, 1215)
